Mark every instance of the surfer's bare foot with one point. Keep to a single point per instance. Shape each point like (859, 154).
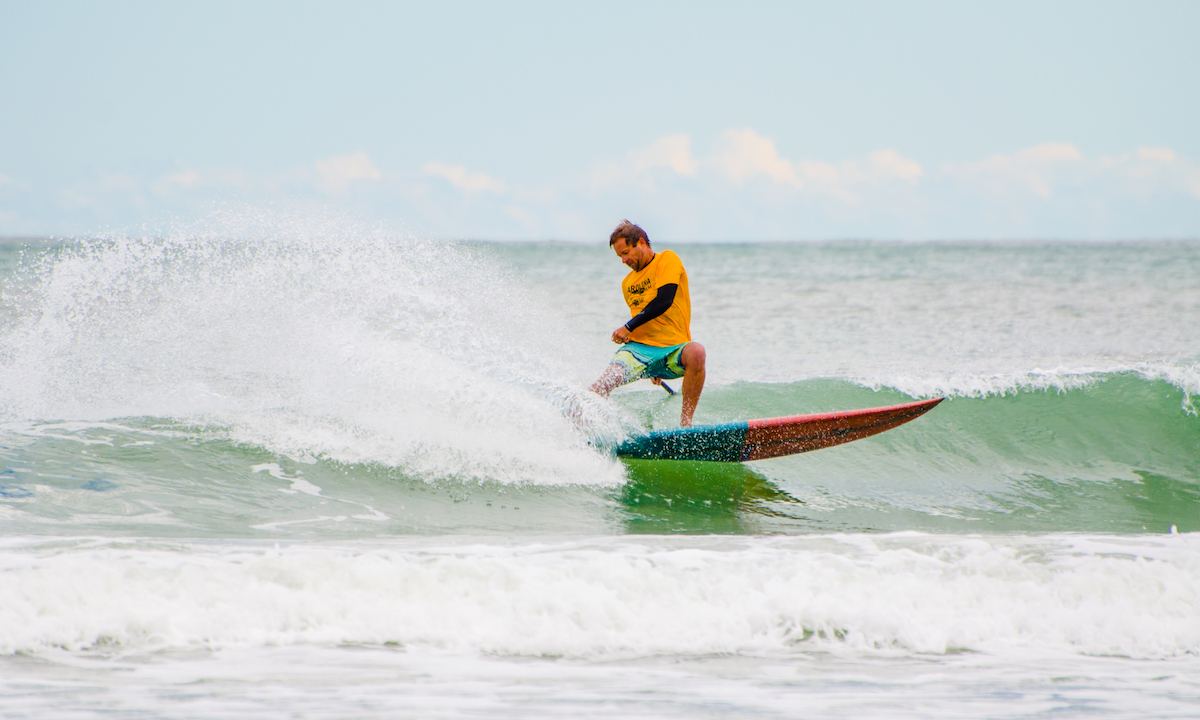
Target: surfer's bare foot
(692, 359)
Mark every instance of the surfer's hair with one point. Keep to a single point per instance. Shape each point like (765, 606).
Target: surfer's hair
(630, 233)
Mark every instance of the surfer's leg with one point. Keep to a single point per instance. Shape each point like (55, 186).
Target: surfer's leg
(613, 377)
(692, 360)
(625, 368)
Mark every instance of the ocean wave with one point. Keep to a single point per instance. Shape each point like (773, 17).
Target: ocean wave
(341, 345)
(876, 595)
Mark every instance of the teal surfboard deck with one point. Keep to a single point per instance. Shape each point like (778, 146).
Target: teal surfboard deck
(769, 437)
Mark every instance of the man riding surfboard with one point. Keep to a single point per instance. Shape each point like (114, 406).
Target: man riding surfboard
(657, 340)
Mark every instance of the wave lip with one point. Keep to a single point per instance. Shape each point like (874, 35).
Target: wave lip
(1182, 374)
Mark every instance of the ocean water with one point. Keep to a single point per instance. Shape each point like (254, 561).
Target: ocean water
(286, 467)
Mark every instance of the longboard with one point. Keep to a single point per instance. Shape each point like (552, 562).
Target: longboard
(770, 437)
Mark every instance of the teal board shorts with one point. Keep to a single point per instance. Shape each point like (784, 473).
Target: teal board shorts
(646, 361)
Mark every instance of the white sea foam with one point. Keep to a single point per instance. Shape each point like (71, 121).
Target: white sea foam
(898, 594)
(1183, 374)
(340, 344)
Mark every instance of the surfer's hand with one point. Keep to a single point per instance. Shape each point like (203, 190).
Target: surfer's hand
(656, 381)
(621, 335)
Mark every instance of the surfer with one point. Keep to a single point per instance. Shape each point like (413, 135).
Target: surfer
(657, 340)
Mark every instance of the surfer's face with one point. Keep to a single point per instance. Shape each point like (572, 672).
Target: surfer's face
(635, 257)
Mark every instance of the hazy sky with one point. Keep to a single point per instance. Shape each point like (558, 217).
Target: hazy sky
(699, 120)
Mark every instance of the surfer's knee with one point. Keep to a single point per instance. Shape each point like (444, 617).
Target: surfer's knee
(692, 357)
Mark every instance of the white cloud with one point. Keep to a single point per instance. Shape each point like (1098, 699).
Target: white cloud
(1160, 154)
(190, 179)
(888, 164)
(638, 167)
(1043, 168)
(670, 151)
(743, 156)
(184, 178)
(1048, 189)
(169, 184)
(336, 173)
(105, 196)
(1032, 169)
(117, 182)
(459, 177)
(1155, 169)
(746, 155)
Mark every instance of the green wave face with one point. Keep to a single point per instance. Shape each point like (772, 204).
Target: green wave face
(1120, 455)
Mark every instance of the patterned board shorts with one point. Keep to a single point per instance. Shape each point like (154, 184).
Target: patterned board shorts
(646, 361)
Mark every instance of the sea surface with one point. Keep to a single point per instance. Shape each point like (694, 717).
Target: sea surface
(282, 467)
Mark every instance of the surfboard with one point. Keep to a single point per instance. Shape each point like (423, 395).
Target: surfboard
(769, 437)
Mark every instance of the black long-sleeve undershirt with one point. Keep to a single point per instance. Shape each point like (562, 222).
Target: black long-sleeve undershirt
(654, 308)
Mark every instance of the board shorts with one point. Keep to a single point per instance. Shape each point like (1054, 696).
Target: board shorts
(646, 361)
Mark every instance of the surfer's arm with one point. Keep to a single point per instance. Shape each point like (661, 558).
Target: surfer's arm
(654, 308)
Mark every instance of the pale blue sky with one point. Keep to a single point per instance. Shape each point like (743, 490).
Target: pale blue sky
(701, 120)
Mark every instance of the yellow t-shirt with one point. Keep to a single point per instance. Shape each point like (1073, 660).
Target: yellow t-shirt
(673, 326)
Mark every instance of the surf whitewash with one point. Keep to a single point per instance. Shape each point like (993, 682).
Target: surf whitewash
(288, 467)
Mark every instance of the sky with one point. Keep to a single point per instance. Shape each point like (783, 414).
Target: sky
(705, 121)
